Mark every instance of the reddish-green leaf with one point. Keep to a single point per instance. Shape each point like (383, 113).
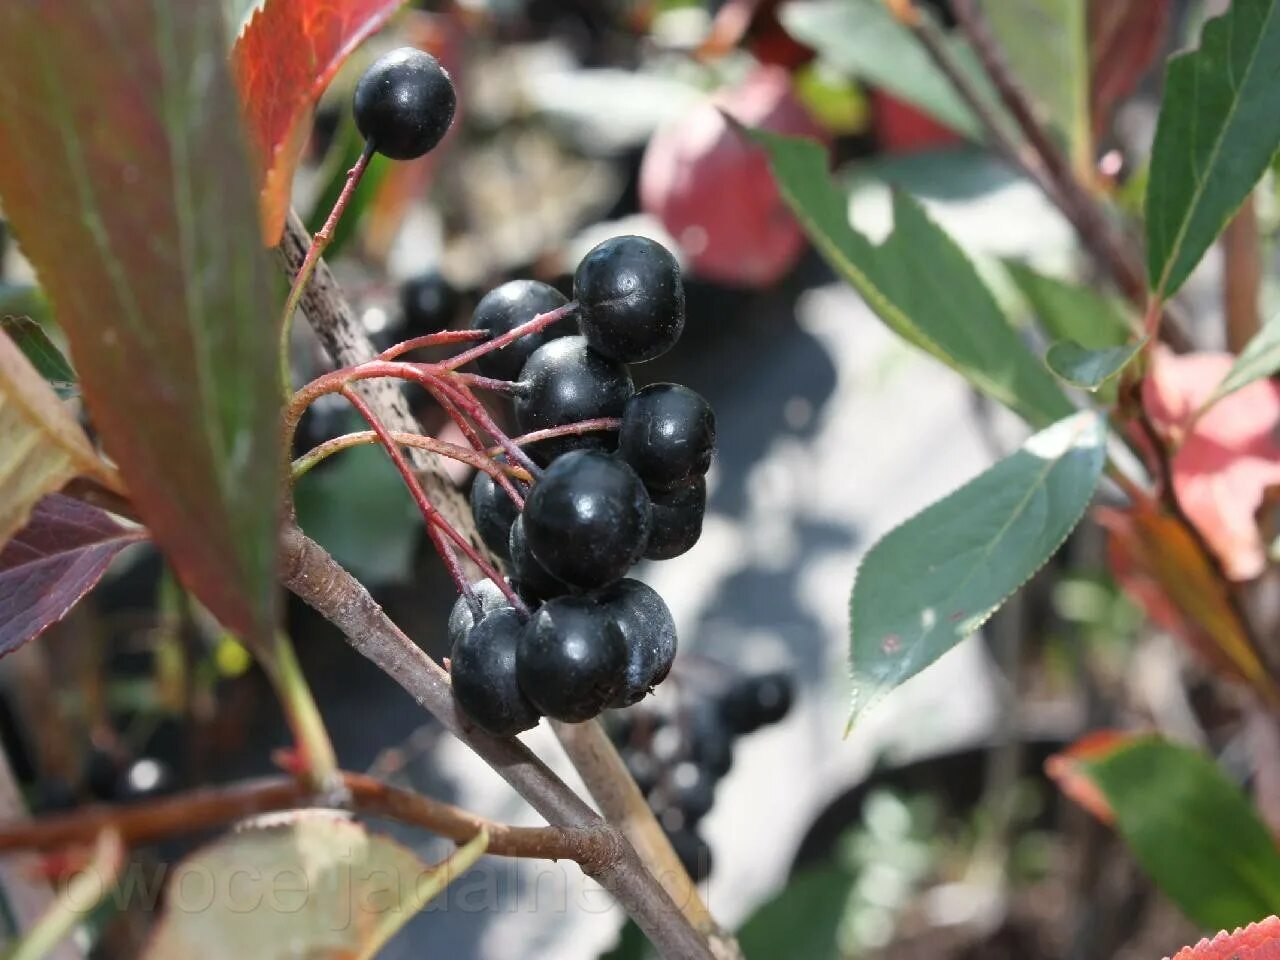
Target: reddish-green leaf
(127, 185)
(282, 63)
(1258, 941)
(52, 562)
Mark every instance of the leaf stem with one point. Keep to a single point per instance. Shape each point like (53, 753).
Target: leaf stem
(318, 244)
(323, 451)
(540, 322)
(320, 762)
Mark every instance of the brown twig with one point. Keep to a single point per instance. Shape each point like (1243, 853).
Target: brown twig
(211, 807)
(1241, 276)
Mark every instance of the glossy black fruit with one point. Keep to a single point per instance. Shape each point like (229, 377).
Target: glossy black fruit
(646, 623)
(532, 580)
(462, 618)
(483, 667)
(506, 307)
(677, 519)
(710, 740)
(571, 659)
(587, 519)
(144, 778)
(494, 511)
(693, 791)
(754, 702)
(404, 103)
(668, 435)
(429, 303)
(693, 853)
(328, 417)
(630, 299)
(564, 382)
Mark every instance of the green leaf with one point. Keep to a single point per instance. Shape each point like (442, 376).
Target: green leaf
(936, 579)
(1046, 43)
(1219, 127)
(127, 185)
(44, 356)
(1192, 830)
(862, 38)
(1068, 311)
(1089, 369)
(918, 282)
(802, 920)
(308, 883)
(1260, 358)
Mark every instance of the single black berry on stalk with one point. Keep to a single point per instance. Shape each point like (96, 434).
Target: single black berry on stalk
(429, 304)
(677, 519)
(494, 511)
(564, 382)
(404, 103)
(668, 434)
(462, 618)
(571, 659)
(533, 581)
(587, 519)
(650, 632)
(630, 299)
(754, 702)
(483, 667)
(506, 307)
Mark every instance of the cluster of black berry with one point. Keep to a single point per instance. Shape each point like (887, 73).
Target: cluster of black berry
(677, 759)
(631, 486)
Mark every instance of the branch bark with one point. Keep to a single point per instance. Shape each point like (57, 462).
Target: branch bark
(202, 809)
(1241, 276)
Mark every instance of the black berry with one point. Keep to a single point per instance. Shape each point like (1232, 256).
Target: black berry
(462, 618)
(327, 417)
(533, 581)
(571, 659)
(754, 702)
(564, 382)
(630, 299)
(677, 519)
(587, 519)
(650, 632)
(494, 511)
(429, 304)
(693, 791)
(644, 769)
(710, 740)
(483, 667)
(668, 434)
(144, 778)
(693, 852)
(506, 307)
(404, 103)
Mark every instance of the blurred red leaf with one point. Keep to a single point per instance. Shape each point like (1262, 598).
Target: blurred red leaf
(1258, 941)
(1162, 567)
(1065, 769)
(52, 562)
(125, 179)
(1124, 38)
(282, 62)
(712, 188)
(1225, 460)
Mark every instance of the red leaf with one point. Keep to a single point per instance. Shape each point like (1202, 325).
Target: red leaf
(712, 188)
(1123, 40)
(282, 63)
(1226, 460)
(125, 179)
(52, 562)
(1258, 941)
(1065, 769)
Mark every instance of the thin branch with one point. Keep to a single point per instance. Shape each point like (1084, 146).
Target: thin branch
(1241, 276)
(209, 807)
(318, 580)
